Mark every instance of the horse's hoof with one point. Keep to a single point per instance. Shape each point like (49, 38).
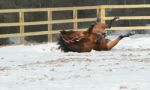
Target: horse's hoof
(127, 35)
(131, 33)
(116, 18)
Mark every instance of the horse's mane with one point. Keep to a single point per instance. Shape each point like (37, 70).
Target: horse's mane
(62, 44)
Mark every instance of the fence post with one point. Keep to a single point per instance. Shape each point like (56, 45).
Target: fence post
(21, 21)
(49, 16)
(102, 14)
(98, 12)
(75, 17)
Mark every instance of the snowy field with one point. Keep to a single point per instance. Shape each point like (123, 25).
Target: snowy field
(44, 67)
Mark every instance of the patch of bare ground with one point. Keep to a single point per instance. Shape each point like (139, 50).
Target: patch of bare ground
(57, 63)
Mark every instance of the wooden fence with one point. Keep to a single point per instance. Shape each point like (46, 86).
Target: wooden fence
(101, 11)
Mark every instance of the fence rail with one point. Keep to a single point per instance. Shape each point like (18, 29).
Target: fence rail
(100, 10)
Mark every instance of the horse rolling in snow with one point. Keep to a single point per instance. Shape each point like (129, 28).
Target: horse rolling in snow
(85, 41)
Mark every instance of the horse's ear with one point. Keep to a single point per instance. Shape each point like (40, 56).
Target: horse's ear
(91, 28)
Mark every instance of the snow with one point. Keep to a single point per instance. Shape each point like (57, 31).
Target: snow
(45, 67)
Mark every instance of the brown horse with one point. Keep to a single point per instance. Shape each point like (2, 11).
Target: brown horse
(85, 41)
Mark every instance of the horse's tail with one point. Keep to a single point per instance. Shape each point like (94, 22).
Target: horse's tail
(62, 43)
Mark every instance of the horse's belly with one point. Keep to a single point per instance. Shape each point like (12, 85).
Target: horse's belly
(102, 45)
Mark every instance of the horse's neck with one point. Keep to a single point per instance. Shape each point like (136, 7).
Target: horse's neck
(99, 28)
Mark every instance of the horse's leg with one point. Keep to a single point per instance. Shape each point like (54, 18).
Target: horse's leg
(112, 43)
(111, 21)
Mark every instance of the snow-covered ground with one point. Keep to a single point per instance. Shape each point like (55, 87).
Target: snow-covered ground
(44, 67)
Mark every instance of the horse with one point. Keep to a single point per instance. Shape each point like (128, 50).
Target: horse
(91, 39)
